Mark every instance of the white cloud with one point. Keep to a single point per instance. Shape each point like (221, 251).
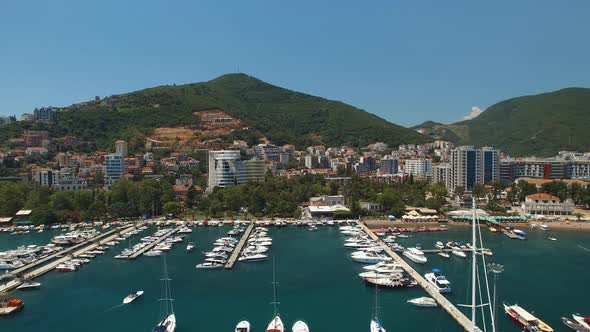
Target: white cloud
(475, 112)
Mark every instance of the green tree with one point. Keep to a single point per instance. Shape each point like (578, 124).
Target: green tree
(12, 198)
(172, 207)
(44, 214)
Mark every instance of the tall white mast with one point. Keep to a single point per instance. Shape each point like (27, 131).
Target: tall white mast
(473, 265)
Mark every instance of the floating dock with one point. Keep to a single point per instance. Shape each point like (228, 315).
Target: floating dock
(75, 251)
(153, 244)
(449, 307)
(234, 255)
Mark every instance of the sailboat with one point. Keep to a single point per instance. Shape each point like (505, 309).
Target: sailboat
(375, 324)
(276, 324)
(168, 324)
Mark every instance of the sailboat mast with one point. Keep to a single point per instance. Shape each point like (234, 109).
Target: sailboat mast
(274, 288)
(473, 264)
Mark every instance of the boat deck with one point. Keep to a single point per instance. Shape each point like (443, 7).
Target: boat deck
(5, 311)
(449, 307)
(153, 244)
(68, 254)
(234, 255)
(509, 234)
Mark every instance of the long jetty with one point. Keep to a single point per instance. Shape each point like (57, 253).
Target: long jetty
(234, 255)
(449, 307)
(153, 244)
(75, 251)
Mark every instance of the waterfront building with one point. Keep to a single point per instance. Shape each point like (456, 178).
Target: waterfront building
(227, 169)
(389, 165)
(441, 173)
(328, 200)
(113, 169)
(547, 205)
(121, 148)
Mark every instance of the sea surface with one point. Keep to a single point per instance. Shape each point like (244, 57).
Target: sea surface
(318, 283)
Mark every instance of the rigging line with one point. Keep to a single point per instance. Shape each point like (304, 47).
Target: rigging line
(485, 273)
(483, 316)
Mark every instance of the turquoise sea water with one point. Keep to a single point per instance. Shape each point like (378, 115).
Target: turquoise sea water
(318, 283)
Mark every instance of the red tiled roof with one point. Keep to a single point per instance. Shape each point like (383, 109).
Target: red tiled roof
(542, 196)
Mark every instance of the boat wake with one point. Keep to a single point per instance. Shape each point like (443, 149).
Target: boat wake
(582, 247)
(113, 308)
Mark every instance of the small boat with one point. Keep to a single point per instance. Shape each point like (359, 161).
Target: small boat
(415, 255)
(443, 254)
(423, 302)
(439, 281)
(252, 258)
(190, 246)
(132, 297)
(209, 265)
(584, 321)
(544, 227)
(551, 239)
(153, 253)
(493, 229)
(276, 325)
(300, 326)
(313, 228)
(439, 245)
(574, 325)
(459, 253)
(525, 319)
(28, 284)
(243, 326)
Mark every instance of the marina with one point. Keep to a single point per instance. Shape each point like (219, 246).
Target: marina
(315, 272)
(154, 243)
(238, 249)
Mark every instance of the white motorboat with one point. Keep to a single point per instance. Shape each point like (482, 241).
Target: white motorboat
(252, 258)
(415, 255)
(369, 257)
(168, 324)
(439, 281)
(459, 253)
(443, 254)
(552, 239)
(300, 326)
(243, 326)
(377, 275)
(132, 297)
(439, 245)
(28, 284)
(153, 253)
(190, 246)
(544, 227)
(209, 265)
(423, 302)
(583, 321)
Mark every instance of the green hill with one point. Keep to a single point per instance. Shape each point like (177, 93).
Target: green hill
(282, 115)
(538, 125)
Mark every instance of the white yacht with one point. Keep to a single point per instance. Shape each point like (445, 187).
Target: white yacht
(439, 281)
(415, 255)
(243, 326)
(190, 246)
(459, 253)
(276, 325)
(28, 284)
(300, 326)
(443, 254)
(209, 265)
(168, 324)
(439, 245)
(423, 302)
(369, 257)
(252, 258)
(132, 297)
(153, 253)
(544, 227)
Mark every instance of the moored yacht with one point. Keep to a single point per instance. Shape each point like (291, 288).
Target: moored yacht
(300, 326)
(243, 326)
(439, 281)
(458, 253)
(415, 255)
(423, 302)
(526, 319)
(29, 284)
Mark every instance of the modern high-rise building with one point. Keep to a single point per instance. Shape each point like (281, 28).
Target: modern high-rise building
(389, 165)
(114, 165)
(227, 169)
(268, 152)
(121, 148)
(419, 168)
(471, 166)
(442, 174)
(45, 114)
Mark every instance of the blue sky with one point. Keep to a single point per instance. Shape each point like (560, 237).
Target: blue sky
(406, 61)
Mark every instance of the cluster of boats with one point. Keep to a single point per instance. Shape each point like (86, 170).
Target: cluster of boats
(23, 255)
(222, 249)
(72, 264)
(384, 272)
(577, 323)
(257, 246)
(74, 237)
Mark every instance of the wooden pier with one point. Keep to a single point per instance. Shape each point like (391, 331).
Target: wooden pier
(449, 307)
(69, 253)
(153, 244)
(234, 255)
